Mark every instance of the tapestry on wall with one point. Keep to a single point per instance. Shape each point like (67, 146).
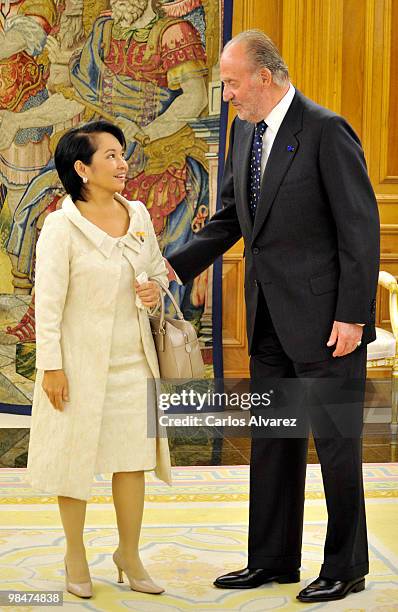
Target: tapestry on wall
(65, 63)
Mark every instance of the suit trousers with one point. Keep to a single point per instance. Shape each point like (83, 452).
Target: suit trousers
(278, 469)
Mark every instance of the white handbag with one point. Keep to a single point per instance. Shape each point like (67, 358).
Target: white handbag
(176, 342)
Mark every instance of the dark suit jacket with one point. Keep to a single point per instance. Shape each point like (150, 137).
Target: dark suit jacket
(314, 246)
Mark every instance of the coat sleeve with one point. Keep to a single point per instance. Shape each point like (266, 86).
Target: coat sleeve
(354, 209)
(158, 268)
(51, 286)
(217, 236)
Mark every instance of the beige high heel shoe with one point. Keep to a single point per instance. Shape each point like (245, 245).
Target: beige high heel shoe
(142, 586)
(80, 589)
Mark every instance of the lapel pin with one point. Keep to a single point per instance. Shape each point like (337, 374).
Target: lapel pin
(290, 148)
(141, 235)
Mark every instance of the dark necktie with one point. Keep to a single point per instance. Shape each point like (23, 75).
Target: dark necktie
(255, 166)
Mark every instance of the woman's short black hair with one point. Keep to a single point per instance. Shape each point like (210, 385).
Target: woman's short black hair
(80, 144)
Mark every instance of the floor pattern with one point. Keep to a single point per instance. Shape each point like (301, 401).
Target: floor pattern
(192, 532)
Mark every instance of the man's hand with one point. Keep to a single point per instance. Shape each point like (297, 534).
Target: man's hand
(148, 293)
(55, 385)
(346, 337)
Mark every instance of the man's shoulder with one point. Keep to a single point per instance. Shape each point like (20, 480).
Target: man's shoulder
(325, 122)
(313, 110)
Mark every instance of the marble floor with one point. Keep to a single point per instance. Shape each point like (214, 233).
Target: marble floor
(192, 532)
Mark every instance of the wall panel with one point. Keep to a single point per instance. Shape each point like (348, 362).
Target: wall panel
(392, 120)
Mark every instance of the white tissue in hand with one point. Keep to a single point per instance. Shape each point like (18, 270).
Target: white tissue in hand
(141, 278)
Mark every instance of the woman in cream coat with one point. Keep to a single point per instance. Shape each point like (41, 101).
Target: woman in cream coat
(94, 351)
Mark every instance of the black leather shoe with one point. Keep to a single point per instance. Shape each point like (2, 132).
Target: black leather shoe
(252, 578)
(325, 589)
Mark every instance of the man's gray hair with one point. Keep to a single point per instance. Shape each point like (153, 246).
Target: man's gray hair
(262, 53)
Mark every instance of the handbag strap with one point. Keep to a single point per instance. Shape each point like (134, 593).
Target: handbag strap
(166, 290)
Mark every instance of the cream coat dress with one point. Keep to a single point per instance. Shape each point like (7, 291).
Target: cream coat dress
(80, 272)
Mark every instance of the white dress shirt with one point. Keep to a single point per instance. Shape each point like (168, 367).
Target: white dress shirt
(273, 121)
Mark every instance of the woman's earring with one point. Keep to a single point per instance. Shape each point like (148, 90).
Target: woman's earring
(85, 179)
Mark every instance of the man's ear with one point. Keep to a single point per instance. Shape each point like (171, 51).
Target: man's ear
(266, 76)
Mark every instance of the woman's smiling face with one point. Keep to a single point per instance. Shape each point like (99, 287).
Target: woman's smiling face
(108, 168)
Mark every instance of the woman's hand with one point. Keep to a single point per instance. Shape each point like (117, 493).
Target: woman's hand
(148, 293)
(55, 385)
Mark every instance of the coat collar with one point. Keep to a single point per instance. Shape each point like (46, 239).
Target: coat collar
(100, 239)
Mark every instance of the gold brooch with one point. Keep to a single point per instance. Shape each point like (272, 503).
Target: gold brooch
(141, 235)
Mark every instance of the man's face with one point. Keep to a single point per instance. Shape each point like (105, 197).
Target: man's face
(127, 12)
(243, 84)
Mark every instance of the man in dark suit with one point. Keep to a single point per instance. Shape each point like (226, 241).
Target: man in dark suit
(295, 186)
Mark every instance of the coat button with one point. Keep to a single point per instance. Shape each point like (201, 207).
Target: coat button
(120, 244)
(256, 251)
